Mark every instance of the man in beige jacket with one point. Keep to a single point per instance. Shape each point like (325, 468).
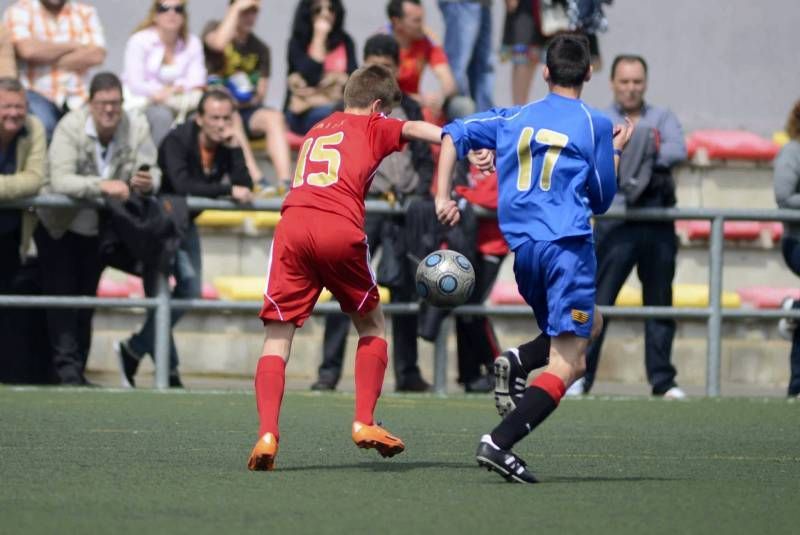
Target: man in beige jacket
(97, 151)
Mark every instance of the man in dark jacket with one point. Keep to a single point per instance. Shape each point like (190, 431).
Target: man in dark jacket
(199, 158)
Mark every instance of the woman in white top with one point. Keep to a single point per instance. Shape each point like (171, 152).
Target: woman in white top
(164, 71)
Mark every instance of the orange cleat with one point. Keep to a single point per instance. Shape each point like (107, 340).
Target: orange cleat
(263, 455)
(376, 437)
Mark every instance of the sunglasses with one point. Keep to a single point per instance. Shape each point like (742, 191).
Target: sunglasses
(180, 9)
(319, 8)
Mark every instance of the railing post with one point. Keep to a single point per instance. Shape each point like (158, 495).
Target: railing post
(162, 327)
(714, 344)
(440, 358)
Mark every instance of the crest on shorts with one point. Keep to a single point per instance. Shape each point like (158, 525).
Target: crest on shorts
(579, 316)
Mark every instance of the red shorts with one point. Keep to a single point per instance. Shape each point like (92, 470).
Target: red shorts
(312, 249)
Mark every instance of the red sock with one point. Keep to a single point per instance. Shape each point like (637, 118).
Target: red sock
(371, 359)
(270, 381)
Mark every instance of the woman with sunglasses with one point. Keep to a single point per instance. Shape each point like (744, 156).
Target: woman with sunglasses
(164, 70)
(321, 58)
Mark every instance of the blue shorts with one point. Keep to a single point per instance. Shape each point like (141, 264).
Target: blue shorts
(557, 279)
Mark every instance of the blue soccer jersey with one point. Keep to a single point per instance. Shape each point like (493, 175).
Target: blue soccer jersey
(555, 165)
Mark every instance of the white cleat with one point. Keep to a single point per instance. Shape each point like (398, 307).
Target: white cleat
(675, 392)
(787, 326)
(576, 389)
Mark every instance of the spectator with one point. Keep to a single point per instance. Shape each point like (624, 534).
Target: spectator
(524, 42)
(787, 195)
(468, 45)
(8, 63)
(403, 176)
(96, 152)
(57, 42)
(645, 180)
(22, 162)
(240, 61)
(321, 57)
(418, 50)
(164, 70)
(200, 158)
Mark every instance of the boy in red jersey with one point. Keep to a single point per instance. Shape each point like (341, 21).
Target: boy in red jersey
(320, 241)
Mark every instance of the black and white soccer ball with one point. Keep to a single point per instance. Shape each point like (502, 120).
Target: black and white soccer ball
(445, 278)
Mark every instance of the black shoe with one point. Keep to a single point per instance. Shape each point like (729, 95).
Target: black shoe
(510, 381)
(503, 462)
(417, 384)
(175, 380)
(481, 385)
(324, 384)
(128, 362)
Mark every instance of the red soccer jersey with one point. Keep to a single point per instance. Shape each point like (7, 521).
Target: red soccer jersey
(413, 60)
(337, 161)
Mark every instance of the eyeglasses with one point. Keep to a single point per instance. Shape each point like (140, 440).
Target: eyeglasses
(319, 8)
(102, 104)
(180, 9)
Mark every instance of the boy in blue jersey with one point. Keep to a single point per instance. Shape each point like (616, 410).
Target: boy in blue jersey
(556, 164)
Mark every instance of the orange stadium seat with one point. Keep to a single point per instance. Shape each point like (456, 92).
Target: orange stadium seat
(730, 145)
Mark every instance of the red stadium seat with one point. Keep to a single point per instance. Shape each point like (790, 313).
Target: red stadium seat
(505, 293)
(774, 230)
(111, 288)
(730, 145)
(295, 140)
(209, 291)
(766, 296)
(697, 229)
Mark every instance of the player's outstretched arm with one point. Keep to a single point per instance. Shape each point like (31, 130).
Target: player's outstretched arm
(446, 208)
(422, 131)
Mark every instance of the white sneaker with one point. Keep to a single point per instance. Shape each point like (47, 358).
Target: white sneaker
(576, 388)
(675, 393)
(787, 326)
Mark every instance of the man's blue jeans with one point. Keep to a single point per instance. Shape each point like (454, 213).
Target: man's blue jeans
(43, 109)
(468, 44)
(188, 271)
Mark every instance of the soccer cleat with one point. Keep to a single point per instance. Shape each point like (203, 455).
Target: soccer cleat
(787, 326)
(510, 381)
(376, 437)
(675, 392)
(578, 388)
(505, 463)
(262, 458)
(128, 362)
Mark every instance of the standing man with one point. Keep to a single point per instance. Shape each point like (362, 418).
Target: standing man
(200, 158)
(57, 42)
(239, 60)
(645, 180)
(468, 45)
(556, 163)
(97, 151)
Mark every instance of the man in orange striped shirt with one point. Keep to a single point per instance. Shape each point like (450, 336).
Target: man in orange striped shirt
(56, 42)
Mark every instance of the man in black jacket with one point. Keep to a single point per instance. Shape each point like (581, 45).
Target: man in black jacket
(199, 158)
(403, 176)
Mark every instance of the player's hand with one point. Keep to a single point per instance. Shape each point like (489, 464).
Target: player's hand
(241, 194)
(142, 182)
(447, 211)
(623, 133)
(483, 159)
(116, 189)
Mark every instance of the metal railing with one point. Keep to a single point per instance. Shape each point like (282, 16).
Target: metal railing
(713, 314)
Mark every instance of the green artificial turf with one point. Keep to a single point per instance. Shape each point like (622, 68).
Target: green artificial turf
(145, 462)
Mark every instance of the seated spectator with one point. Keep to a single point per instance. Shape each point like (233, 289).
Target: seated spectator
(95, 153)
(57, 42)
(8, 63)
(418, 50)
(787, 195)
(201, 158)
(240, 61)
(164, 70)
(321, 58)
(402, 175)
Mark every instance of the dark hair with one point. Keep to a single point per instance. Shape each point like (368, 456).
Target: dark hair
(627, 58)
(793, 123)
(394, 9)
(12, 85)
(303, 25)
(104, 81)
(383, 45)
(368, 84)
(214, 93)
(568, 60)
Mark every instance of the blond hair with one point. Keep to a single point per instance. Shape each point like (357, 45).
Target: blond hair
(150, 20)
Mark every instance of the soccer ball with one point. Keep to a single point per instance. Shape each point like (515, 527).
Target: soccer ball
(445, 278)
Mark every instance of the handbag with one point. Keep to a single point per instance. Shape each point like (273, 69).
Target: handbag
(553, 17)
